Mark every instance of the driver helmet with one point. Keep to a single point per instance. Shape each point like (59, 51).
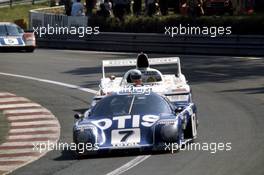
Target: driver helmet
(135, 77)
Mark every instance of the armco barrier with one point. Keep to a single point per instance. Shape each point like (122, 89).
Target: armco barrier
(159, 43)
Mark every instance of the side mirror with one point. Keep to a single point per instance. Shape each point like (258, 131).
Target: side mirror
(78, 116)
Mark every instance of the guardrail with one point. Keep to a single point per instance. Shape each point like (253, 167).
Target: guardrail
(159, 43)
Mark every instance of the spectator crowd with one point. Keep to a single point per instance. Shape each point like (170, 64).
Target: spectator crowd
(117, 8)
(120, 8)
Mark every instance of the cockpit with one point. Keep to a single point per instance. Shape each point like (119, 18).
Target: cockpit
(149, 75)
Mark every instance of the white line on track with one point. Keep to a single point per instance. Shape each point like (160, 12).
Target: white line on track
(132, 163)
(51, 82)
(212, 73)
(249, 58)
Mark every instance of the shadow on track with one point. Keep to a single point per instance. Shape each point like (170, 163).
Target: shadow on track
(196, 70)
(259, 90)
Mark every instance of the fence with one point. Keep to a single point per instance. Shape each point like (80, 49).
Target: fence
(39, 19)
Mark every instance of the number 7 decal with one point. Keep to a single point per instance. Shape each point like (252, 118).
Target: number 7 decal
(125, 136)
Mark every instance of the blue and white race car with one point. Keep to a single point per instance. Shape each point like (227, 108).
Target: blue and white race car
(12, 37)
(139, 119)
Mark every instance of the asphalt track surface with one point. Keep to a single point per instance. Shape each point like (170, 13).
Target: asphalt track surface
(229, 93)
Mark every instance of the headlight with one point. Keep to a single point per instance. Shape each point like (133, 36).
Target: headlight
(168, 122)
(169, 130)
(85, 134)
(84, 127)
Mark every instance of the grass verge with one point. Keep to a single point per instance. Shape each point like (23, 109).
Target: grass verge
(18, 12)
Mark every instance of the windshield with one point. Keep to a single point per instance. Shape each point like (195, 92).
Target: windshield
(3, 30)
(139, 104)
(151, 76)
(10, 30)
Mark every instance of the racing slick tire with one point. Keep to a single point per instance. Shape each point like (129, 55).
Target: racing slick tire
(30, 49)
(85, 154)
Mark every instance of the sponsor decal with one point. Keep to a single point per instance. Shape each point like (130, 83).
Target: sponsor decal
(146, 90)
(122, 136)
(125, 137)
(134, 120)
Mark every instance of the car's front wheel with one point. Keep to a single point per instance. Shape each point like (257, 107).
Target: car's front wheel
(191, 129)
(30, 50)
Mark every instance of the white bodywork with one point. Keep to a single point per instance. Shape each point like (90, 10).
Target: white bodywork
(170, 84)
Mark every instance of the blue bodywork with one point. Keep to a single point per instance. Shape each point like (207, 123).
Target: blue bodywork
(141, 129)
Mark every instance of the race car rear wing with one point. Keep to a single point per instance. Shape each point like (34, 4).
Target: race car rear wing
(132, 62)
